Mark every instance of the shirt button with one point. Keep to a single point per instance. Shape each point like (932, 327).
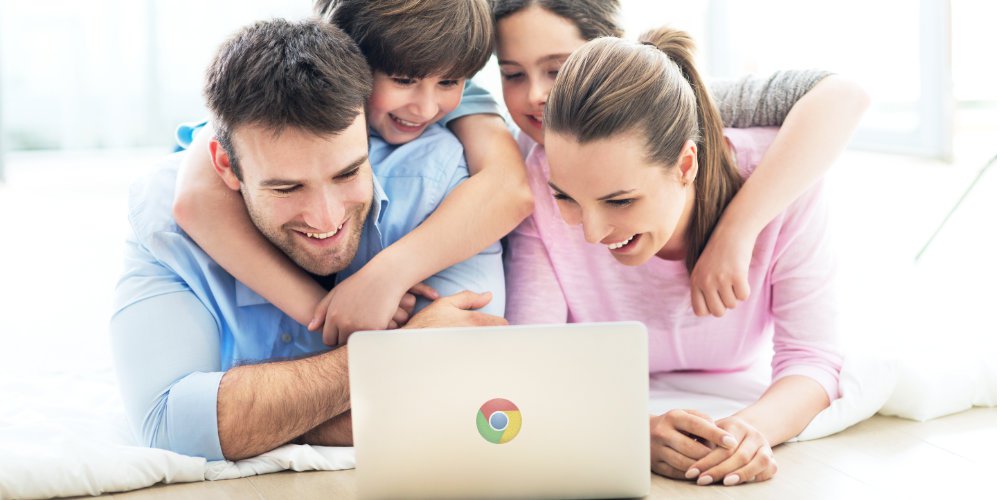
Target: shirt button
(286, 338)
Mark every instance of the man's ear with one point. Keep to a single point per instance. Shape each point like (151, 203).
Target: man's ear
(687, 165)
(220, 160)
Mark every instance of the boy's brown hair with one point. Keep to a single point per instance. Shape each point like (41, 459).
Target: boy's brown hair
(416, 38)
(276, 74)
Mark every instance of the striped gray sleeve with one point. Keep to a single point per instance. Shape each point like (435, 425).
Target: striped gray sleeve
(754, 101)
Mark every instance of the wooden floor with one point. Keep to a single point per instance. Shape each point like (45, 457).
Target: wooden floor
(883, 457)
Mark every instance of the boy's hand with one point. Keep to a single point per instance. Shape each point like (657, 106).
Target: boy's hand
(408, 302)
(679, 438)
(719, 278)
(364, 301)
(751, 461)
(456, 310)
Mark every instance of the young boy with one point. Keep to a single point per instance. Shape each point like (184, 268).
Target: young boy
(421, 54)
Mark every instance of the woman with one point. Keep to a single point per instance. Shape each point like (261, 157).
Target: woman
(638, 173)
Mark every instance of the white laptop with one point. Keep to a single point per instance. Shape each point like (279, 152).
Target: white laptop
(551, 411)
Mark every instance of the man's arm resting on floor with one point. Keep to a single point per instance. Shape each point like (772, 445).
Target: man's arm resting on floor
(265, 406)
(166, 352)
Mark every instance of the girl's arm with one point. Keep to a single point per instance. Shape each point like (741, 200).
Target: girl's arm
(474, 215)
(215, 217)
(812, 135)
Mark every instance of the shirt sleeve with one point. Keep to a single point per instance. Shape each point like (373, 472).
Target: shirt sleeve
(166, 354)
(762, 101)
(482, 272)
(533, 292)
(804, 296)
(475, 101)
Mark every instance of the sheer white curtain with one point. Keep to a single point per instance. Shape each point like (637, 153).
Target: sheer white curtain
(112, 73)
(902, 51)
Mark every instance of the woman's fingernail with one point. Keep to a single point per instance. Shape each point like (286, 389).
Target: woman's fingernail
(730, 442)
(731, 479)
(705, 480)
(692, 473)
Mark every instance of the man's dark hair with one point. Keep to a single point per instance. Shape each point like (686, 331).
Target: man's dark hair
(276, 74)
(416, 38)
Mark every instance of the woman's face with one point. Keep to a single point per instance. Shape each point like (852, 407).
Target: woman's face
(533, 44)
(634, 208)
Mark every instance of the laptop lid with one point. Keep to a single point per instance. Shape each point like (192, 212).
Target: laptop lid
(513, 411)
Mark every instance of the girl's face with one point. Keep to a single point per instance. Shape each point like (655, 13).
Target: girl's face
(635, 208)
(533, 44)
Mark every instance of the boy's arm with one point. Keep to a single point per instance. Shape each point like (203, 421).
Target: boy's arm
(215, 217)
(812, 135)
(475, 214)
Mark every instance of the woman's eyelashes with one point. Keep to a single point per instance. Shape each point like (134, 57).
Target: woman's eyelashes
(620, 203)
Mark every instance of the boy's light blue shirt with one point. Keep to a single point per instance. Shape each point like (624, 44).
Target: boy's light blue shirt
(181, 321)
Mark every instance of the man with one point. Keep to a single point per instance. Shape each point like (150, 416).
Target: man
(206, 366)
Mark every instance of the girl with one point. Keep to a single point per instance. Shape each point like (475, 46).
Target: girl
(639, 160)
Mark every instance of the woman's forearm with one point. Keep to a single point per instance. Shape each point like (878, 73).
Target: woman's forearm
(786, 408)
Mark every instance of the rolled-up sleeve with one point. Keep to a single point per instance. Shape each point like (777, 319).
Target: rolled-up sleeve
(165, 345)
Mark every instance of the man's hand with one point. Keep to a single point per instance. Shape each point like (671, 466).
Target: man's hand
(365, 301)
(719, 278)
(679, 438)
(751, 461)
(409, 301)
(456, 310)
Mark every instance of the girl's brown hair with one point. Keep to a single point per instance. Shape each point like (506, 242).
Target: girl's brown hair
(611, 86)
(594, 18)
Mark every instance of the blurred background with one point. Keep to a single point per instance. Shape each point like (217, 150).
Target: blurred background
(90, 93)
(109, 74)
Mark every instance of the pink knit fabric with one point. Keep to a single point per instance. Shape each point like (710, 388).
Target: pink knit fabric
(555, 276)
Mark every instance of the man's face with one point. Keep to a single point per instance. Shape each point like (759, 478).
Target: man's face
(308, 194)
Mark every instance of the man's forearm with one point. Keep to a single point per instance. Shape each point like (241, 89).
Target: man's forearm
(338, 431)
(261, 407)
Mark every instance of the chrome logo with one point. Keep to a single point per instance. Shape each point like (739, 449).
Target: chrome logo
(498, 420)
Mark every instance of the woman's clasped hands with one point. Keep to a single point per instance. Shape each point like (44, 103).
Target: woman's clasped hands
(688, 444)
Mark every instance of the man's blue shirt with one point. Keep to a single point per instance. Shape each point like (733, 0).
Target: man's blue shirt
(181, 320)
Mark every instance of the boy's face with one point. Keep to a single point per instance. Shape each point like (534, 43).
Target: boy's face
(401, 108)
